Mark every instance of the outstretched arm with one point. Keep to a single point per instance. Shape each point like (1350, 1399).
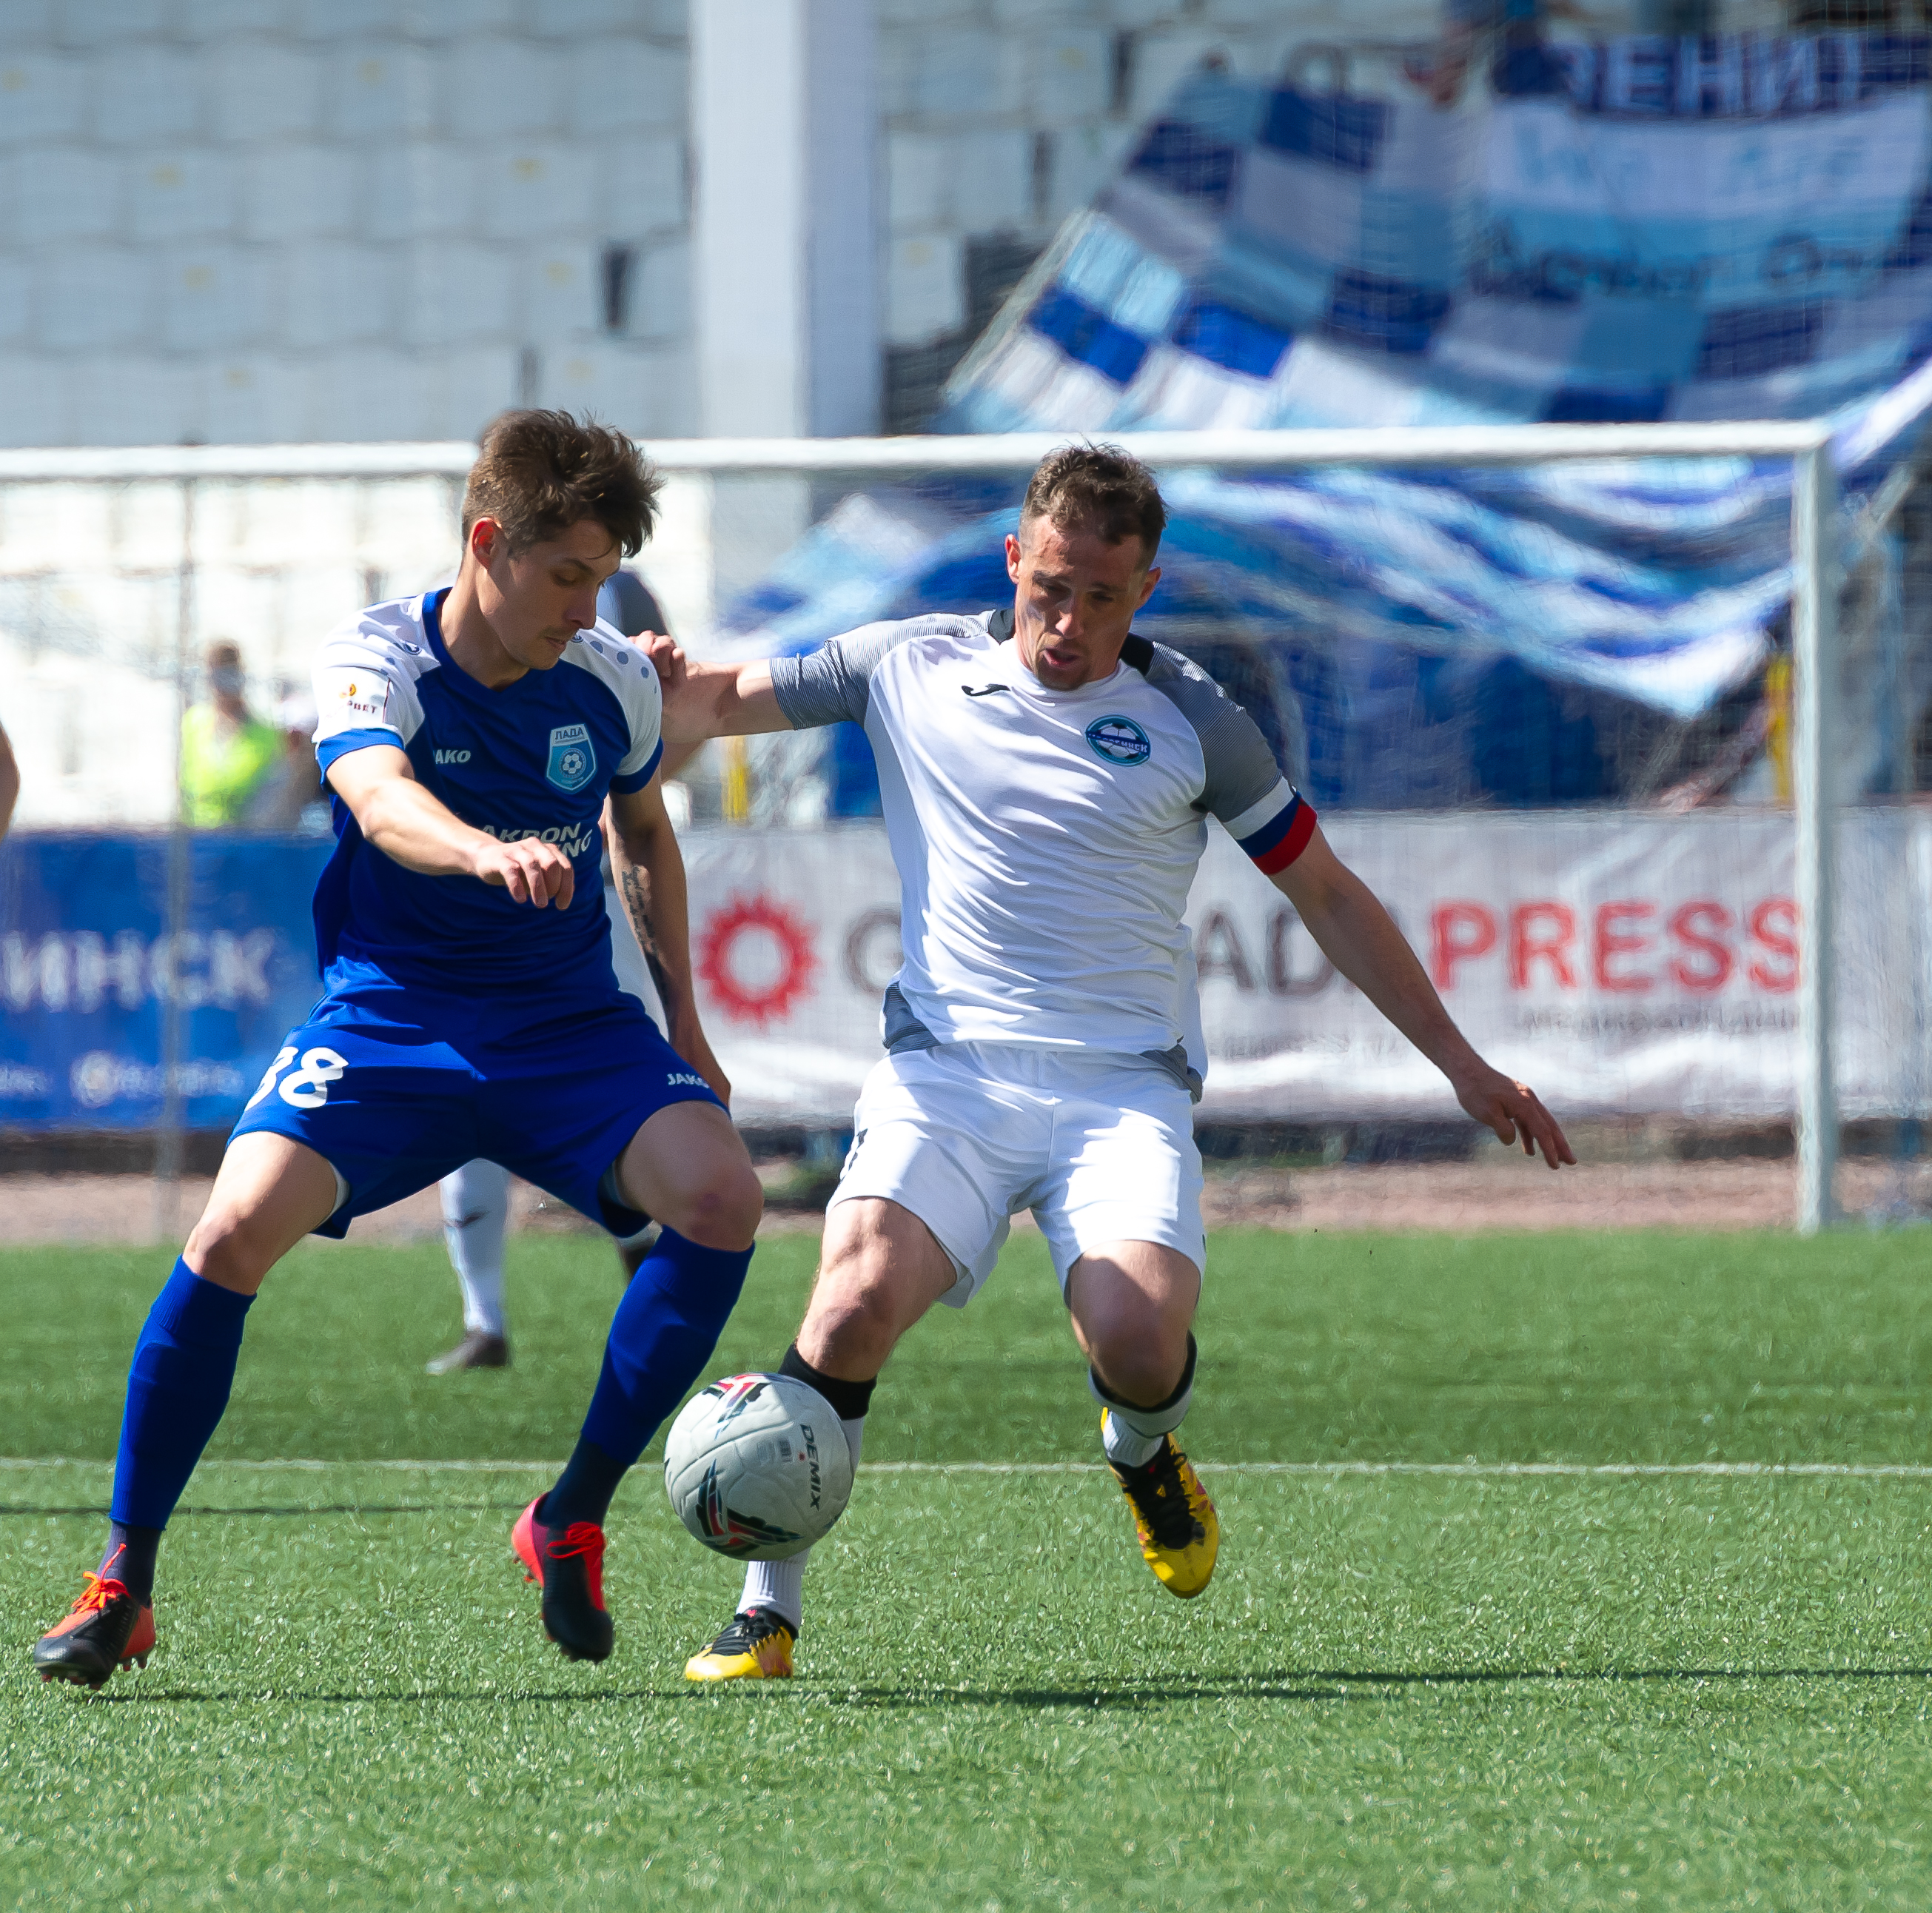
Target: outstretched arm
(1358, 936)
(404, 821)
(649, 868)
(703, 701)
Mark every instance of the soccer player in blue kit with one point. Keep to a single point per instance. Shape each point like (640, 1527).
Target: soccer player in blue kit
(469, 738)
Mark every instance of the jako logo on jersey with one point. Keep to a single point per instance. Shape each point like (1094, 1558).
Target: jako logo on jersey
(452, 757)
(1118, 740)
(572, 762)
(687, 1078)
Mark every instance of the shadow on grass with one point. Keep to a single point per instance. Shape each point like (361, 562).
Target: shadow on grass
(1302, 1684)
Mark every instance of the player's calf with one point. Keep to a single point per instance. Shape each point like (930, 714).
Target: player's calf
(1175, 1522)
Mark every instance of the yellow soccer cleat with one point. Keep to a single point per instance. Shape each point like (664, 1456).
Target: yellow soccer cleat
(756, 1647)
(1179, 1534)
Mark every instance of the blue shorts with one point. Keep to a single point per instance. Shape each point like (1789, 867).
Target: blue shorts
(395, 1085)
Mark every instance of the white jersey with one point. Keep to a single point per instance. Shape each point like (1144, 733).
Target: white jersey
(1046, 840)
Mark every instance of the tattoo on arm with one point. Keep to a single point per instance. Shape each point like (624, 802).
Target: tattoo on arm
(637, 907)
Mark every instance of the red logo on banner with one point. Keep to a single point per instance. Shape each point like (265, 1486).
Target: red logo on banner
(757, 958)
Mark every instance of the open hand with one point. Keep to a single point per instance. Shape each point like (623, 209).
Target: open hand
(1513, 1112)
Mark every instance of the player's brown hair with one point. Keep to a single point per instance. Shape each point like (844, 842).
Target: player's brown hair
(537, 473)
(1102, 486)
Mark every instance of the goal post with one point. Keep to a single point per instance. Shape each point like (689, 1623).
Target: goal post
(1816, 534)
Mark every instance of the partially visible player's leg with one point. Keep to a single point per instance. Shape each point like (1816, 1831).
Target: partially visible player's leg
(880, 1270)
(475, 1214)
(1121, 1211)
(1131, 1305)
(270, 1193)
(688, 1167)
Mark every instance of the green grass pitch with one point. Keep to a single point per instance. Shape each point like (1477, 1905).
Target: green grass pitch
(1403, 1690)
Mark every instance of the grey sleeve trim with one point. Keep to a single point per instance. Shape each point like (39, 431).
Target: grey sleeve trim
(1241, 768)
(833, 684)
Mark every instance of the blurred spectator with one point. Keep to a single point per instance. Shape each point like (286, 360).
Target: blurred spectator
(10, 782)
(290, 797)
(627, 602)
(226, 751)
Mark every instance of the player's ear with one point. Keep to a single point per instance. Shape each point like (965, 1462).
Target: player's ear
(1147, 583)
(1012, 558)
(484, 535)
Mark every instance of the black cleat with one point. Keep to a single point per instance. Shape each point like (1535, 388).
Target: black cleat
(570, 1566)
(106, 1627)
(477, 1349)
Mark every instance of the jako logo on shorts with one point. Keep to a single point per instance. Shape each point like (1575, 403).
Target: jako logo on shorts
(572, 762)
(1118, 740)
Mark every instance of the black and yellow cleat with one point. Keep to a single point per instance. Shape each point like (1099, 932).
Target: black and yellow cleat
(106, 1627)
(756, 1647)
(1179, 1534)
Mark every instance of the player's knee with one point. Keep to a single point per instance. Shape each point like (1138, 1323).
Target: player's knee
(723, 1212)
(229, 1249)
(1137, 1351)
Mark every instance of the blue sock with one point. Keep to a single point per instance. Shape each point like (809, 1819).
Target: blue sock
(665, 1328)
(178, 1386)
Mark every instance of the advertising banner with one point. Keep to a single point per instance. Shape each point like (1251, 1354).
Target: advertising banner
(87, 965)
(1624, 963)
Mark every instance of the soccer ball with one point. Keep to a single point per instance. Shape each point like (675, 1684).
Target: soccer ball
(757, 1468)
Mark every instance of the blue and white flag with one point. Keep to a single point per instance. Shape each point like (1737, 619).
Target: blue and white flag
(1731, 226)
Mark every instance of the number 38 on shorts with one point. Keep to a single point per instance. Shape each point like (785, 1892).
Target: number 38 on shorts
(306, 1087)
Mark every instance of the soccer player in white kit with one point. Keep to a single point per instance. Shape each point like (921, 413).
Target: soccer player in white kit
(1046, 777)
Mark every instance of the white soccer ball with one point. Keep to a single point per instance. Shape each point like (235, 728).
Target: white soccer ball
(757, 1467)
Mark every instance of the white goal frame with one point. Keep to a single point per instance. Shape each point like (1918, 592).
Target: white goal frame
(1815, 565)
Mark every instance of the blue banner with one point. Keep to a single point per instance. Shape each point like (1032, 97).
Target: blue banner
(88, 966)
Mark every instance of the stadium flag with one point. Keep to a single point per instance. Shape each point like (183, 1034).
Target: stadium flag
(1645, 229)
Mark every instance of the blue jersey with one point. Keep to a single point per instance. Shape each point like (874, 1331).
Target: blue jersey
(531, 759)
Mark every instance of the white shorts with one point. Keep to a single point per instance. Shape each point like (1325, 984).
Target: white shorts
(1100, 1147)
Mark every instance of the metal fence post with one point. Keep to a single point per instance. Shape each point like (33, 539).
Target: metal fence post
(1814, 619)
(171, 1140)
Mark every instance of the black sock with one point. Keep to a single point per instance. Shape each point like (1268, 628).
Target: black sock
(130, 1557)
(583, 1491)
(849, 1400)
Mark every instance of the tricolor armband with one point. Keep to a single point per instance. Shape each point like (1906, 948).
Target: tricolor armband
(1276, 830)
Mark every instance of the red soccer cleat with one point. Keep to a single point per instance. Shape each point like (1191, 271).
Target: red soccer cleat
(570, 1566)
(106, 1627)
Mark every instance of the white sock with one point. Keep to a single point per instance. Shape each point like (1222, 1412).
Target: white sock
(476, 1210)
(780, 1585)
(1132, 1436)
(1126, 1446)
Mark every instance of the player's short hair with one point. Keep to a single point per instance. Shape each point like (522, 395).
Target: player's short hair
(1104, 486)
(537, 473)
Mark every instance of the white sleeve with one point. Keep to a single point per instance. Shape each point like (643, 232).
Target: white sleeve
(365, 691)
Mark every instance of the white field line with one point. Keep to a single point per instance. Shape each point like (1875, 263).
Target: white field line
(1463, 1470)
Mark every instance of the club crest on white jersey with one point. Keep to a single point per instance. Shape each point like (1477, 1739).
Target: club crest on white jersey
(1117, 739)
